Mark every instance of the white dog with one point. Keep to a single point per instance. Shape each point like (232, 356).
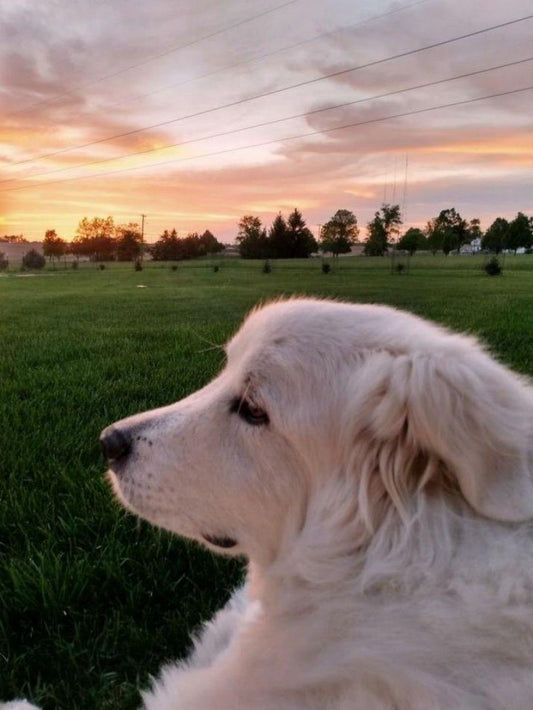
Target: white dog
(377, 472)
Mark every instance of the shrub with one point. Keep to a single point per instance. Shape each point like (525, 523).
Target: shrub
(4, 263)
(74, 264)
(138, 265)
(326, 268)
(33, 260)
(492, 267)
(101, 267)
(266, 267)
(174, 267)
(216, 268)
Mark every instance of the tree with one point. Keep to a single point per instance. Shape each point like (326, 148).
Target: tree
(495, 237)
(383, 229)
(167, 248)
(252, 238)
(412, 240)
(33, 260)
(474, 229)
(448, 231)
(278, 246)
(299, 237)
(340, 233)
(520, 233)
(13, 239)
(210, 244)
(95, 238)
(53, 246)
(128, 242)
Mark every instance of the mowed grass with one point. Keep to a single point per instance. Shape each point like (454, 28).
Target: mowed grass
(91, 600)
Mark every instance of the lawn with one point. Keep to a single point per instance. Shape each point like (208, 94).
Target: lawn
(91, 600)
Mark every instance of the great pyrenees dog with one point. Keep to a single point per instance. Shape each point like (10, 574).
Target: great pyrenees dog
(377, 473)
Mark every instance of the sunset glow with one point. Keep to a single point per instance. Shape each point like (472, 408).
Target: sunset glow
(115, 109)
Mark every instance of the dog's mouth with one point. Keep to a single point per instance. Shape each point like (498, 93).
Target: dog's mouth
(220, 541)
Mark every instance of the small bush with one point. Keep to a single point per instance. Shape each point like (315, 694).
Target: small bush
(492, 267)
(101, 267)
(74, 264)
(174, 267)
(138, 265)
(326, 268)
(266, 267)
(216, 268)
(33, 260)
(400, 268)
(4, 263)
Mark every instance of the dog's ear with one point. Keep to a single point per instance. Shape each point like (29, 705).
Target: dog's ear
(472, 413)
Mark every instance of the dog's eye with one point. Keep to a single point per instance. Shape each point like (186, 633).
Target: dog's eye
(250, 412)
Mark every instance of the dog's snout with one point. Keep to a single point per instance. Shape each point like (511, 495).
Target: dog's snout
(115, 443)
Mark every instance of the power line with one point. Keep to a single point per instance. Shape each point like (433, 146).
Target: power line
(277, 91)
(149, 59)
(136, 97)
(280, 140)
(279, 120)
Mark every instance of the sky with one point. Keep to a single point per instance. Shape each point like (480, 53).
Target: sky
(197, 112)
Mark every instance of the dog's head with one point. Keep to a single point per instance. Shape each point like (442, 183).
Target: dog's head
(314, 390)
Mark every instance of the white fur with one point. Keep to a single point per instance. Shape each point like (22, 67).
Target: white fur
(385, 511)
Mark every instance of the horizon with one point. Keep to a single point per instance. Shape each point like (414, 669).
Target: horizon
(182, 116)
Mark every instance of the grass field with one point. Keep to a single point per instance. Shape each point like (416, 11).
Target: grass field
(91, 601)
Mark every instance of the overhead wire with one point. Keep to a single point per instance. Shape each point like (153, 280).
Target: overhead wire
(277, 91)
(280, 140)
(271, 122)
(149, 59)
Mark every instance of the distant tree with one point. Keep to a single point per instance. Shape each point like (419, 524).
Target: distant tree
(168, 247)
(474, 229)
(33, 260)
(520, 233)
(299, 237)
(128, 242)
(13, 239)
(53, 246)
(95, 238)
(4, 262)
(278, 245)
(340, 233)
(413, 240)
(447, 232)
(210, 244)
(495, 237)
(252, 238)
(383, 229)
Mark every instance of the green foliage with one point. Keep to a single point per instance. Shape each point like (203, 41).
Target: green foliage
(4, 263)
(95, 238)
(53, 246)
(138, 265)
(495, 237)
(266, 267)
(382, 229)
(413, 240)
(340, 233)
(447, 232)
(252, 238)
(128, 242)
(520, 233)
(492, 267)
(33, 260)
(326, 268)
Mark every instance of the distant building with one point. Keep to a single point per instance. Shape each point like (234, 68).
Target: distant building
(473, 248)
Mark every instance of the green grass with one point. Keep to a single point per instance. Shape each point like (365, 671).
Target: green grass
(91, 601)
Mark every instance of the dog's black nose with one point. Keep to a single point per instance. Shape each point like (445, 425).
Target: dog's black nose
(115, 443)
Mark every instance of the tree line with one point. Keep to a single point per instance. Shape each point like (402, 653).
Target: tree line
(447, 232)
(99, 239)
